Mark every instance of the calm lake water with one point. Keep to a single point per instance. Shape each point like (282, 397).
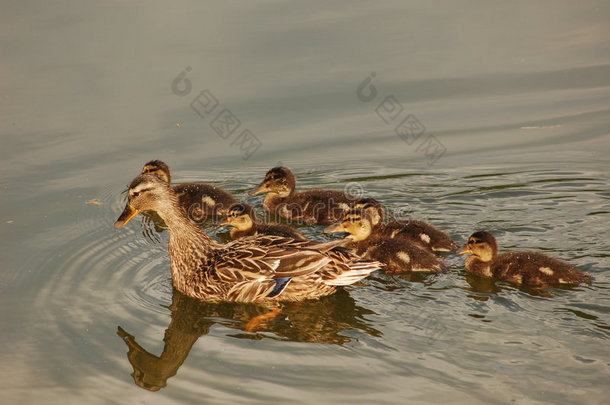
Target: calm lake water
(472, 116)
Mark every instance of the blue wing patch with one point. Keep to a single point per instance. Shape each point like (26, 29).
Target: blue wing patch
(280, 285)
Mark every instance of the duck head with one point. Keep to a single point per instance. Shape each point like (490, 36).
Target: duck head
(159, 169)
(146, 192)
(354, 222)
(279, 181)
(481, 244)
(240, 216)
(372, 208)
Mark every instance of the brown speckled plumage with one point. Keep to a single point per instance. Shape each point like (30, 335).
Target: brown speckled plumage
(423, 234)
(310, 206)
(256, 268)
(420, 233)
(397, 255)
(521, 267)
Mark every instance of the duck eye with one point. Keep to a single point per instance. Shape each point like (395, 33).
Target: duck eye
(135, 194)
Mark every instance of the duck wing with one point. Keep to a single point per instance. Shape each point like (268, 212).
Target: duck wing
(268, 257)
(251, 290)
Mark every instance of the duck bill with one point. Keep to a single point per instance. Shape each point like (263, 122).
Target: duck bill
(465, 251)
(262, 188)
(126, 216)
(334, 228)
(224, 223)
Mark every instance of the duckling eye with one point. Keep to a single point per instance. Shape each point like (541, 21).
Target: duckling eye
(135, 194)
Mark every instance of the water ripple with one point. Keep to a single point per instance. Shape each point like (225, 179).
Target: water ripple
(404, 325)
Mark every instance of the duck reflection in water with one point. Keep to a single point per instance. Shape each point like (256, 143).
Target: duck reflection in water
(489, 286)
(317, 321)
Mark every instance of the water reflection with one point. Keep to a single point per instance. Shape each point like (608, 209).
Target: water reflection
(315, 321)
(488, 285)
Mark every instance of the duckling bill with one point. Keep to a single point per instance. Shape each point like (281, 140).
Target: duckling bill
(520, 267)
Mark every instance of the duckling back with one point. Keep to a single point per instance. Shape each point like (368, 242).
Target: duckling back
(423, 234)
(322, 207)
(535, 268)
(399, 256)
(203, 200)
(279, 230)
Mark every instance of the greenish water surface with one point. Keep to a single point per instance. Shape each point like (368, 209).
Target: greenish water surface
(470, 115)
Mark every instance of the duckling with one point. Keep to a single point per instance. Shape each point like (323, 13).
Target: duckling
(259, 268)
(372, 208)
(312, 206)
(397, 255)
(420, 233)
(242, 218)
(199, 200)
(521, 267)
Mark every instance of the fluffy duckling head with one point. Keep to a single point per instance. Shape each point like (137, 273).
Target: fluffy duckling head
(372, 208)
(146, 192)
(278, 180)
(240, 216)
(355, 222)
(159, 169)
(481, 244)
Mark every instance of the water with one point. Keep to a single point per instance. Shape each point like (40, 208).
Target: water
(515, 103)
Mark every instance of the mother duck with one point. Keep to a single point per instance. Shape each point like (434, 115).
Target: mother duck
(253, 269)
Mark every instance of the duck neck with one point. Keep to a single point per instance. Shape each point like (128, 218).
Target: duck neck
(189, 246)
(180, 226)
(273, 200)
